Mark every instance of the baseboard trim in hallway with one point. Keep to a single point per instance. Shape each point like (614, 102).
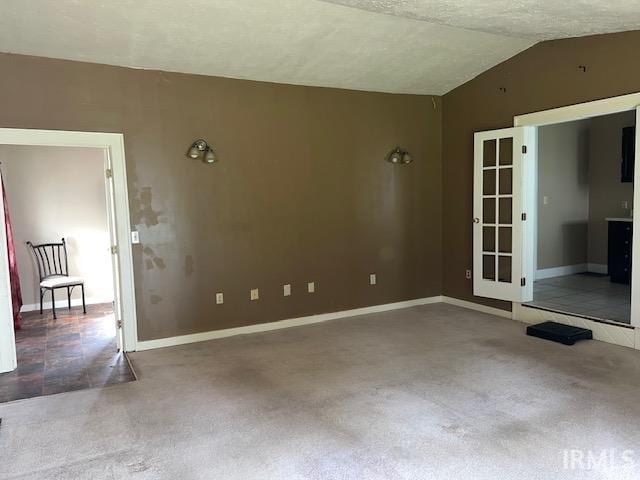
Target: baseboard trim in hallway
(63, 304)
(311, 319)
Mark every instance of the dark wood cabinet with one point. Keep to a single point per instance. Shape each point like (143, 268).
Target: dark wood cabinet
(620, 236)
(628, 154)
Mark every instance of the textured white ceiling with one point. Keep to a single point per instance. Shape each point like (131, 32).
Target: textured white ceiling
(535, 19)
(306, 42)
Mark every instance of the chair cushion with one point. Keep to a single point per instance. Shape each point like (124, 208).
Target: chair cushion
(61, 281)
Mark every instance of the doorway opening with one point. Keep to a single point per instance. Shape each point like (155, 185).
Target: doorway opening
(56, 207)
(560, 235)
(585, 189)
(67, 229)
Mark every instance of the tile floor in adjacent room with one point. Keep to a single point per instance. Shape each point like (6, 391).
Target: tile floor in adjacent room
(73, 352)
(587, 294)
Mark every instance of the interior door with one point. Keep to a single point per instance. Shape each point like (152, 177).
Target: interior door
(117, 302)
(504, 198)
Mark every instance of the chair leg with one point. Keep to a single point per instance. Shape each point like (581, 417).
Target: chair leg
(69, 296)
(84, 307)
(41, 295)
(53, 302)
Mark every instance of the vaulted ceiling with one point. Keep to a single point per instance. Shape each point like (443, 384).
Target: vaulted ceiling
(402, 46)
(533, 19)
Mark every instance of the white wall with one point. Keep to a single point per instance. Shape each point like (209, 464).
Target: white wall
(56, 192)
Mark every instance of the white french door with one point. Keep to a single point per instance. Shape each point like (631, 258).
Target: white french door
(503, 203)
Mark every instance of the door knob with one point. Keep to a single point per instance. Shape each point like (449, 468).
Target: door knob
(476, 220)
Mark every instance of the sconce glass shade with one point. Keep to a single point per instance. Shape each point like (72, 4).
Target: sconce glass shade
(210, 156)
(406, 158)
(396, 156)
(194, 152)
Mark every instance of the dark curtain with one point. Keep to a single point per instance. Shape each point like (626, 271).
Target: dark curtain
(14, 278)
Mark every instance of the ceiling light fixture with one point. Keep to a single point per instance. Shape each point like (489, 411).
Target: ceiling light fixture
(399, 155)
(201, 149)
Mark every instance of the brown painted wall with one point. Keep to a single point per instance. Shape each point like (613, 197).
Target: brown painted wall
(301, 192)
(545, 76)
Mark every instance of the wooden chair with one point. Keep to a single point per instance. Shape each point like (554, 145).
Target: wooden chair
(53, 270)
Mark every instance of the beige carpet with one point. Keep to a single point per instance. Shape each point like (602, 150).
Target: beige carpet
(433, 392)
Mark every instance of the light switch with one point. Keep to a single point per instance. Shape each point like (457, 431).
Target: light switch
(254, 294)
(135, 237)
(373, 279)
(219, 298)
(311, 287)
(545, 200)
(286, 290)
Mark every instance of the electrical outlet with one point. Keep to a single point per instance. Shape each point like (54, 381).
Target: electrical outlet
(372, 279)
(311, 287)
(286, 290)
(467, 274)
(219, 298)
(135, 237)
(625, 204)
(255, 294)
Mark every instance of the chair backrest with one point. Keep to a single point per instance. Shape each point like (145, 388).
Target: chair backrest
(51, 259)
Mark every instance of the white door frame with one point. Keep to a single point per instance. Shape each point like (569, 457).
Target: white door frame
(582, 111)
(113, 145)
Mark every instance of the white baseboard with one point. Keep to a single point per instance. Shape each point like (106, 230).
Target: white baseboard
(291, 322)
(561, 271)
(597, 268)
(476, 306)
(62, 304)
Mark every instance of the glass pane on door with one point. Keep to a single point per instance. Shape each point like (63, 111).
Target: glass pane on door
(489, 267)
(489, 210)
(489, 153)
(505, 211)
(489, 181)
(506, 151)
(505, 239)
(488, 239)
(505, 182)
(504, 269)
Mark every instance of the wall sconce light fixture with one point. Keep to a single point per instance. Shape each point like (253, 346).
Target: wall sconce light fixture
(399, 155)
(201, 149)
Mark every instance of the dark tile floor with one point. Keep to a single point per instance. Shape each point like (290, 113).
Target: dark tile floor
(585, 294)
(74, 352)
